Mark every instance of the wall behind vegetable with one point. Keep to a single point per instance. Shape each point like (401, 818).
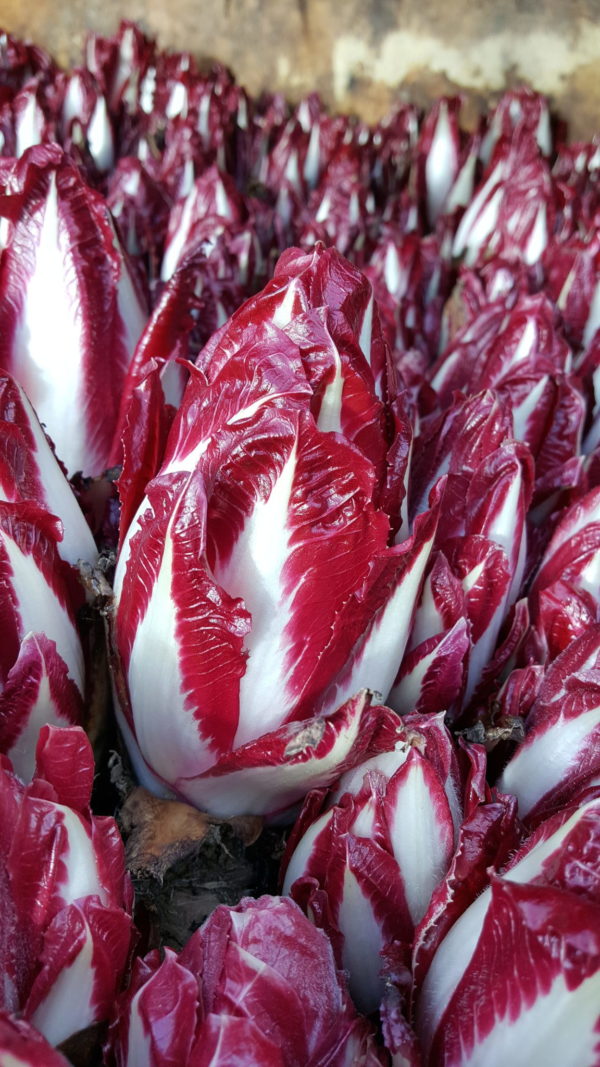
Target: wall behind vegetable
(357, 52)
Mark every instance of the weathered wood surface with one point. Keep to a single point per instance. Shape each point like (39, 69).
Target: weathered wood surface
(360, 54)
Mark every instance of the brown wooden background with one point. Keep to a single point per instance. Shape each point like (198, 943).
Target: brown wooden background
(359, 53)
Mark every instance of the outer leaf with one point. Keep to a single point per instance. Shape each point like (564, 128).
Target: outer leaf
(22, 1045)
(85, 954)
(64, 891)
(305, 281)
(239, 993)
(42, 673)
(560, 756)
(238, 1042)
(37, 691)
(432, 674)
(67, 290)
(165, 339)
(146, 425)
(269, 775)
(487, 838)
(158, 1014)
(564, 595)
(456, 442)
(29, 471)
(574, 833)
(550, 1014)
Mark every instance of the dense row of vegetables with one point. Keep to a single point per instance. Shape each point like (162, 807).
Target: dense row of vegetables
(348, 379)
